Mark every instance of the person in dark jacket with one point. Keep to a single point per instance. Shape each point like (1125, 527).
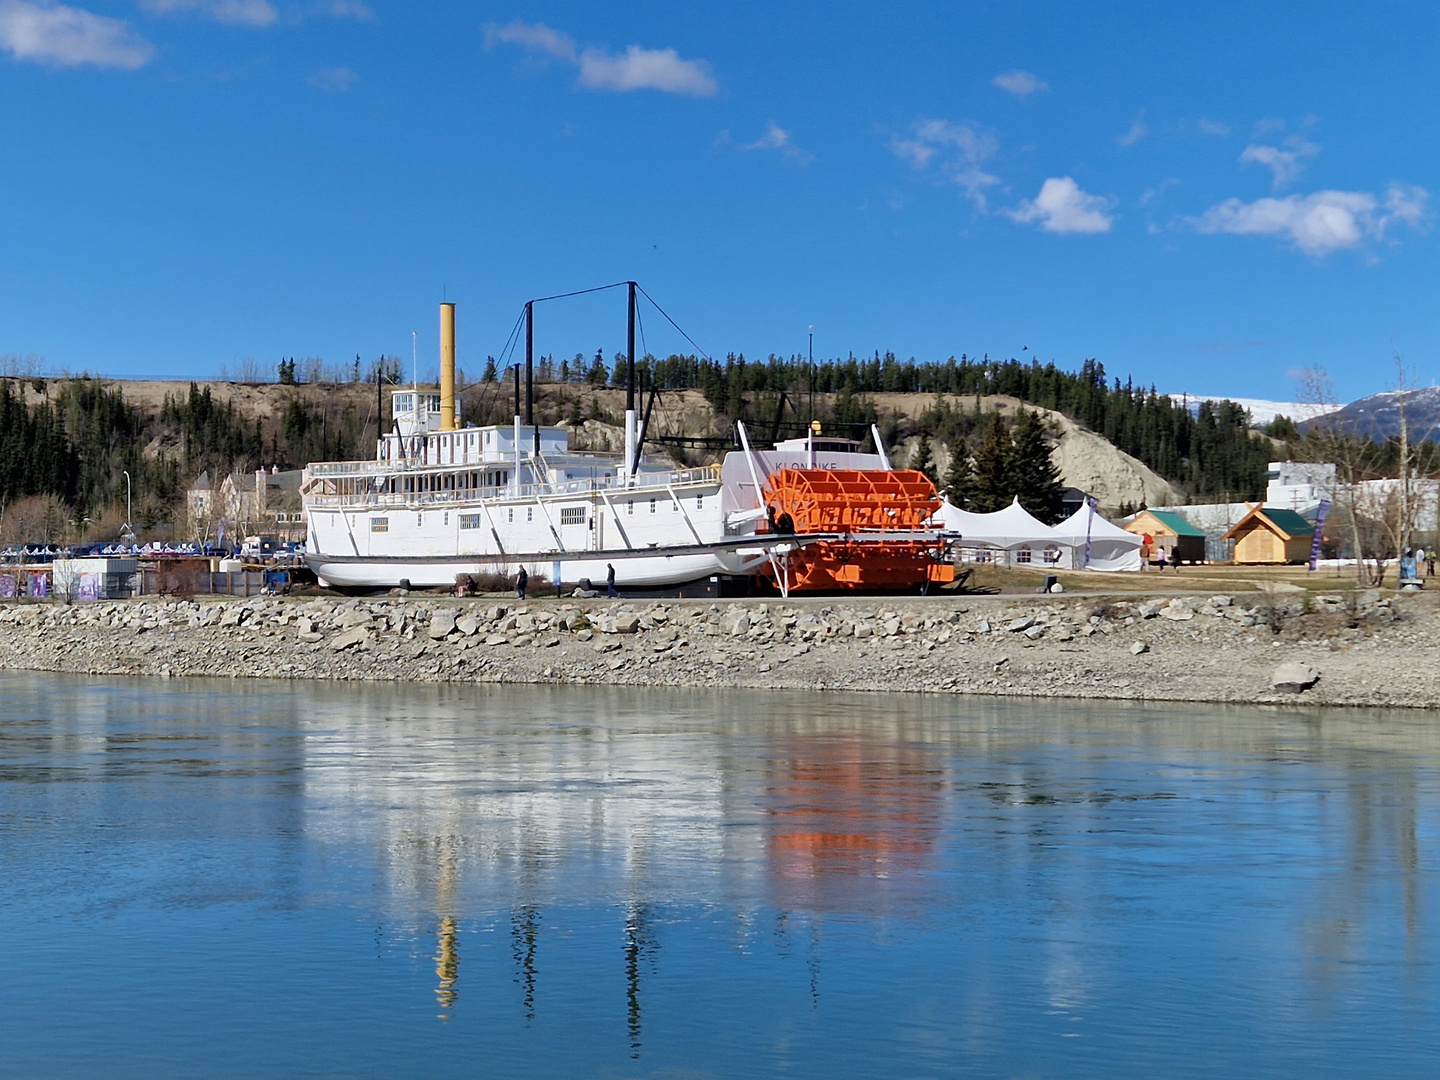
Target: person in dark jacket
(521, 580)
(610, 581)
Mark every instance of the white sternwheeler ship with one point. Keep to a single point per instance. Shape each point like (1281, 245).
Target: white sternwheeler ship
(441, 502)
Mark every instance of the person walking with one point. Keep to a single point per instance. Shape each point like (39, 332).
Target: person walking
(610, 581)
(1160, 559)
(1431, 563)
(521, 580)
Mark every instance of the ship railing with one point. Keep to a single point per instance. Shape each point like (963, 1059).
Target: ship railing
(683, 478)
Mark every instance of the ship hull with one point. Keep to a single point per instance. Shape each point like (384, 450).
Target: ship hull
(632, 572)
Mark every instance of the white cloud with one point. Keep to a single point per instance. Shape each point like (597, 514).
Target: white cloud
(537, 37)
(637, 68)
(646, 69)
(1138, 130)
(50, 33)
(1320, 223)
(1062, 207)
(777, 138)
(334, 80)
(1020, 83)
(960, 148)
(349, 9)
(1212, 127)
(256, 14)
(1286, 164)
(1151, 194)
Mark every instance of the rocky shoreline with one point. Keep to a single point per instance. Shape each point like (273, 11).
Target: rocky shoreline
(1360, 648)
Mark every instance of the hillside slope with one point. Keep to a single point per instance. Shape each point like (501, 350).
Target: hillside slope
(1378, 416)
(1086, 460)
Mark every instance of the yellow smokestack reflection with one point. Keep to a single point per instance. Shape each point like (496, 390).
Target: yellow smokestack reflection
(447, 367)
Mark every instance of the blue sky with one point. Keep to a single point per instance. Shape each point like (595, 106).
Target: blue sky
(1207, 201)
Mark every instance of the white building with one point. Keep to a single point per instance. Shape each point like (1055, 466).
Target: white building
(1299, 485)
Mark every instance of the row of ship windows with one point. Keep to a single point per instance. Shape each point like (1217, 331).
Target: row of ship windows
(569, 515)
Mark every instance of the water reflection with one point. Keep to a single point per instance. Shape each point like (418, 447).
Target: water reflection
(845, 811)
(958, 881)
(447, 965)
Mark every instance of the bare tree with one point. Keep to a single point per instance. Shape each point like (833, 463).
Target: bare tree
(1332, 440)
(15, 366)
(1380, 491)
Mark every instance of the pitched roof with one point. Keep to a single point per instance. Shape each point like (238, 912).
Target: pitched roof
(1174, 522)
(1287, 522)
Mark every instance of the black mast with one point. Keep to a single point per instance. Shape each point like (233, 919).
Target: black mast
(630, 383)
(630, 353)
(530, 371)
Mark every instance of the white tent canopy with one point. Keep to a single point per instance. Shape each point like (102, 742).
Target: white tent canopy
(1111, 547)
(1012, 527)
(1023, 538)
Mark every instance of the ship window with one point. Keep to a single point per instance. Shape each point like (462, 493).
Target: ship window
(529, 513)
(699, 502)
(572, 515)
(652, 506)
(469, 521)
(510, 514)
(379, 525)
(419, 520)
(630, 507)
(447, 518)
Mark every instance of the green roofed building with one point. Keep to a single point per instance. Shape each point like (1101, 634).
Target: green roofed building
(1167, 531)
(1269, 535)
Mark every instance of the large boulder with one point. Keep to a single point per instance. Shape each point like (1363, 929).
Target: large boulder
(736, 623)
(1293, 677)
(441, 624)
(358, 635)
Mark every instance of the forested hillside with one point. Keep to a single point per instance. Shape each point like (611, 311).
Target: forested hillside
(78, 440)
(73, 439)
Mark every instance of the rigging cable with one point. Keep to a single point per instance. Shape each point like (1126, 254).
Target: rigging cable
(673, 323)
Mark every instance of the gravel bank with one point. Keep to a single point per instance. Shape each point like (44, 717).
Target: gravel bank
(1367, 649)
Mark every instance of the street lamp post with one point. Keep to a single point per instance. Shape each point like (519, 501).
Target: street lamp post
(812, 375)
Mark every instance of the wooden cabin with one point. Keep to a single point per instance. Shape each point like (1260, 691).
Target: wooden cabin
(1272, 536)
(1165, 530)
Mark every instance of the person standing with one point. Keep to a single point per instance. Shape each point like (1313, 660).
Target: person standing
(1431, 563)
(1160, 559)
(610, 581)
(521, 580)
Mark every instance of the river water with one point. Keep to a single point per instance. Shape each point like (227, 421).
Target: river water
(237, 879)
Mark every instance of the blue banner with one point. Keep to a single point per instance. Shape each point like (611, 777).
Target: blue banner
(1320, 515)
(1090, 502)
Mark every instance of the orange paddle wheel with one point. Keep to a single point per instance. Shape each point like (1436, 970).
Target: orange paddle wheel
(862, 505)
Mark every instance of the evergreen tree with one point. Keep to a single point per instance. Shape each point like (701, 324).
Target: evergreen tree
(491, 374)
(1033, 471)
(994, 489)
(924, 459)
(960, 477)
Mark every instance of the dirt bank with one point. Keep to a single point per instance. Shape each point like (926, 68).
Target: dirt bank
(1367, 649)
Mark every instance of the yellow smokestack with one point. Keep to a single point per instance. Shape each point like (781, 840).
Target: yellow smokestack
(447, 367)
